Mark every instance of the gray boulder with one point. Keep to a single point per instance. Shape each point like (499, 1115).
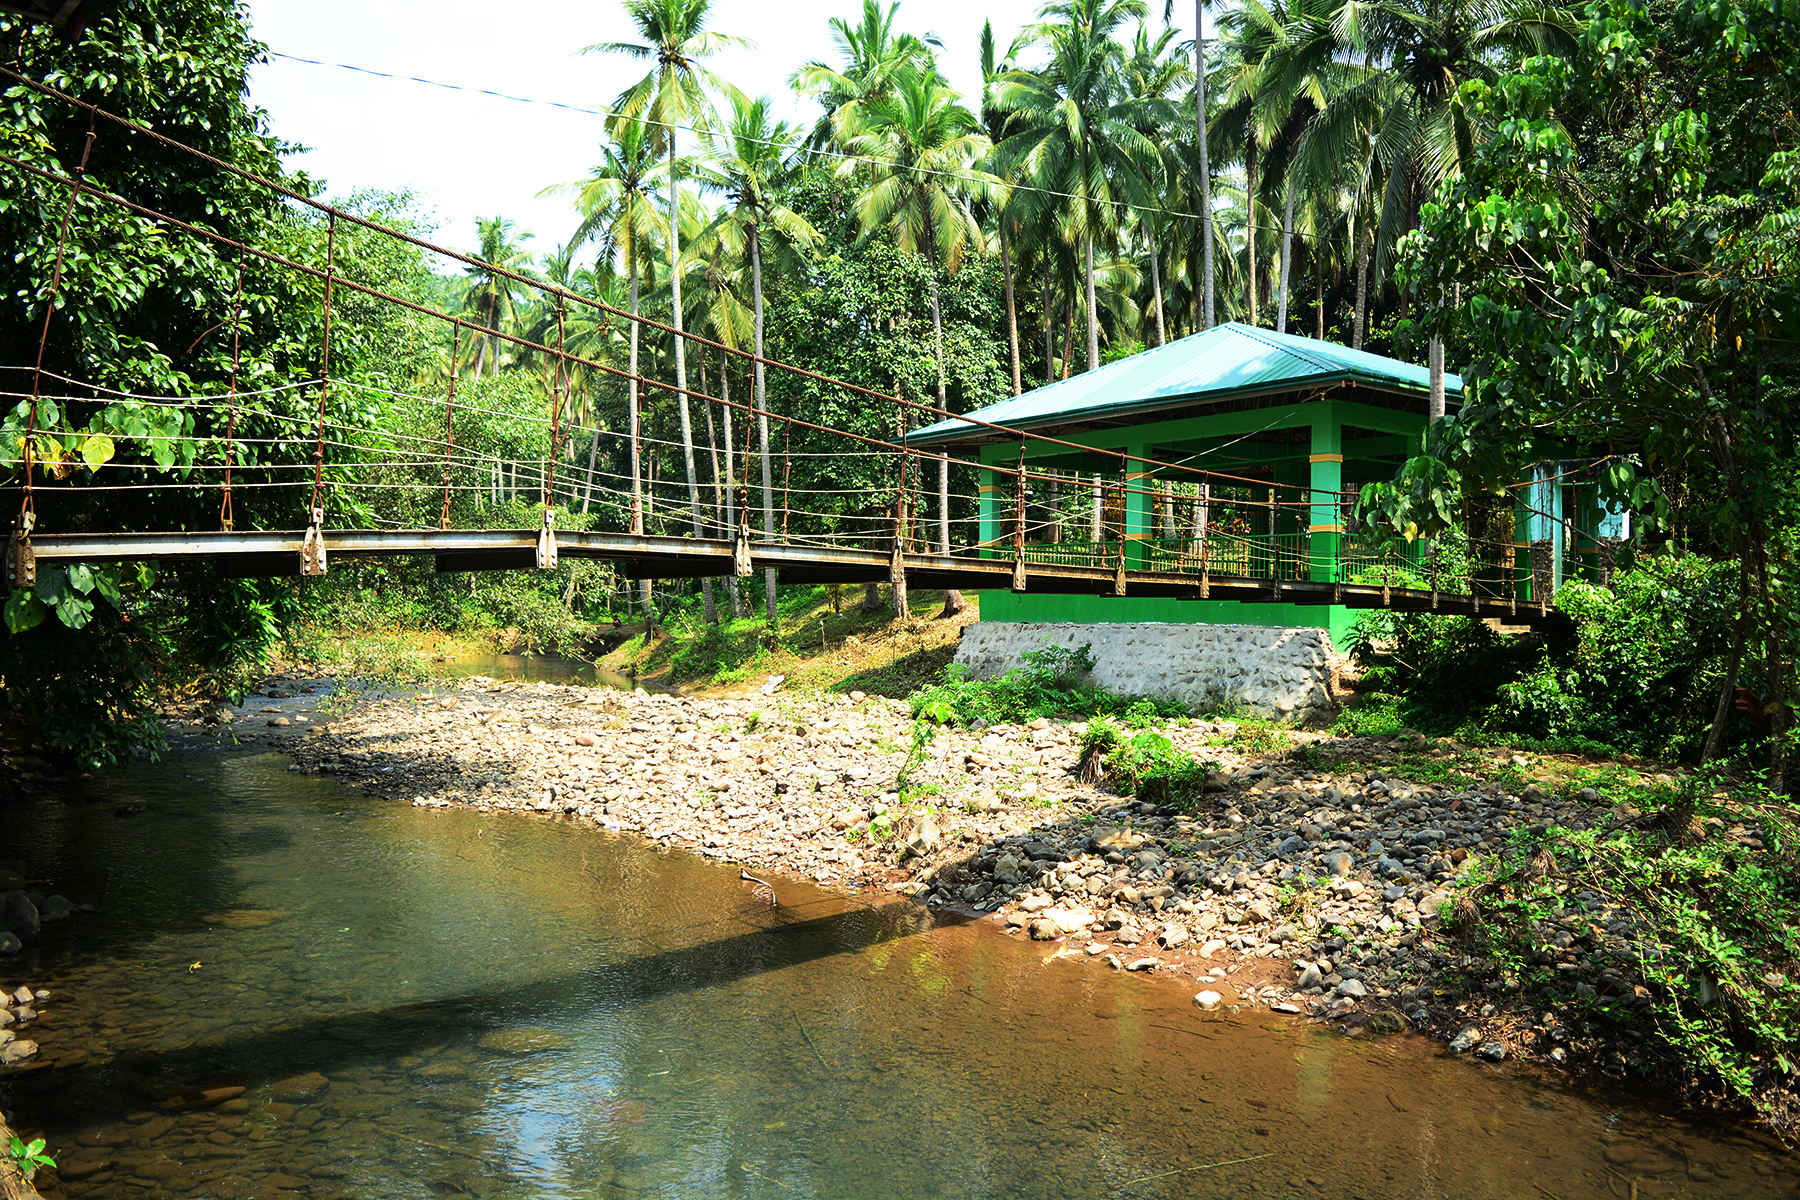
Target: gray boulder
(56, 908)
(19, 915)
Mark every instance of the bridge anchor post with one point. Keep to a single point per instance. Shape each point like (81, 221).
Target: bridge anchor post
(21, 561)
(546, 542)
(312, 550)
(740, 547)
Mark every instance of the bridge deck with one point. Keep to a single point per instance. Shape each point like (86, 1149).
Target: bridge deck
(641, 556)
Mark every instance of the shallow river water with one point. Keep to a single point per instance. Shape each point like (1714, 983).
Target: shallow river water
(426, 1003)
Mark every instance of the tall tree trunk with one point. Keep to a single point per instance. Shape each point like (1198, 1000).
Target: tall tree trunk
(639, 508)
(1093, 310)
(1068, 358)
(637, 464)
(953, 599)
(1435, 358)
(1206, 214)
(1049, 332)
(712, 456)
(732, 587)
(762, 425)
(1715, 736)
(1012, 311)
(1362, 286)
(587, 492)
(687, 419)
(1319, 288)
(1252, 284)
(1162, 333)
(1287, 252)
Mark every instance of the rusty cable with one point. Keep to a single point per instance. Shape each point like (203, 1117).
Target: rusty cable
(449, 421)
(95, 110)
(29, 505)
(321, 206)
(227, 518)
(556, 402)
(324, 367)
(607, 368)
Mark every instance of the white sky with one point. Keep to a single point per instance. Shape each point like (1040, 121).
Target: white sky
(470, 155)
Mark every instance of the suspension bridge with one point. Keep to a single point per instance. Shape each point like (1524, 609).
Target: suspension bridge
(876, 505)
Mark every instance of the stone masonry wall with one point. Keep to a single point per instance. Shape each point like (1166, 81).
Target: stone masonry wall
(1281, 674)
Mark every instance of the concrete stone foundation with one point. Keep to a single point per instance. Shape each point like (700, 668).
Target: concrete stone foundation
(1280, 674)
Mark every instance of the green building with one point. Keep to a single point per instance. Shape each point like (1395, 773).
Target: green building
(1254, 445)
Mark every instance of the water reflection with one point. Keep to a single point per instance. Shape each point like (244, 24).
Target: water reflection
(424, 1004)
(535, 668)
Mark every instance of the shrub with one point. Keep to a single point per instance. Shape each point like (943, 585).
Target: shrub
(1044, 687)
(1638, 671)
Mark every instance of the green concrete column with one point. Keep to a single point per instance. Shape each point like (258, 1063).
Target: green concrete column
(1326, 478)
(992, 492)
(1521, 573)
(1140, 509)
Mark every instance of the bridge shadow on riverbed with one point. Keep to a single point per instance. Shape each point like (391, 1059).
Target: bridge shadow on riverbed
(326, 1040)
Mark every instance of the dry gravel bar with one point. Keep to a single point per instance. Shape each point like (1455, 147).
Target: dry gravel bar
(1312, 893)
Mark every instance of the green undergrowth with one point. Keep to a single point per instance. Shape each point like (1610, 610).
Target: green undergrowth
(1635, 669)
(1714, 930)
(1048, 685)
(826, 638)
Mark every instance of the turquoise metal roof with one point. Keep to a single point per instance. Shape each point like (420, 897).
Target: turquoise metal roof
(1220, 363)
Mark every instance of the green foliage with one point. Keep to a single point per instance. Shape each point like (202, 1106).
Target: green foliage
(1640, 674)
(924, 731)
(1144, 763)
(1044, 687)
(28, 1157)
(84, 695)
(1063, 665)
(1715, 928)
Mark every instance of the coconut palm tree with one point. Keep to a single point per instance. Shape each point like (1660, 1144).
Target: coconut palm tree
(671, 97)
(618, 211)
(872, 56)
(1077, 138)
(1252, 30)
(915, 153)
(1302, 72)
(1203, 167)
(1151, 74)
(491, 298)
(1421, 53)
(993, 122)
(750, 164)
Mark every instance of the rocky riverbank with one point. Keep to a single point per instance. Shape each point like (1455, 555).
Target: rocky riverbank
(1300, 885)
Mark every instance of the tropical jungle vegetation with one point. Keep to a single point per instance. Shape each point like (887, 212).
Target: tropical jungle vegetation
(1590, 210)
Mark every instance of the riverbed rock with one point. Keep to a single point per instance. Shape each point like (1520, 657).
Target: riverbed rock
(920, 835)
(530, 1039)
(300, 1087)
(19, 915)
(1467, 1040)
(22, 1050)
(56, 908)
(1491, 1051)
(1208, 1000)
(201, 1098)
(10, 943)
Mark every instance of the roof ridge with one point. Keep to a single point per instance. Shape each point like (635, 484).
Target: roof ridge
(1276, 341)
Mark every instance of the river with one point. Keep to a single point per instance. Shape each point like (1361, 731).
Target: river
(428, 1003)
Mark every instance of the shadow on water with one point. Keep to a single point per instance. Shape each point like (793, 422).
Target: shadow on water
(328, 1041)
